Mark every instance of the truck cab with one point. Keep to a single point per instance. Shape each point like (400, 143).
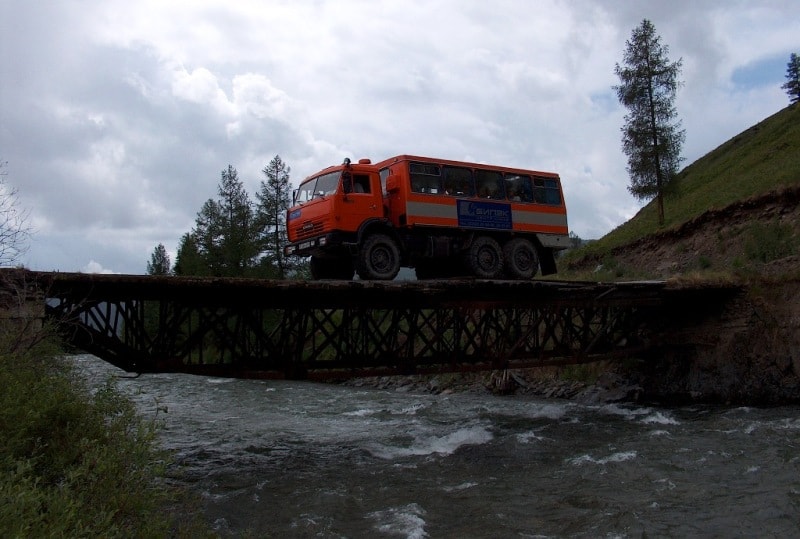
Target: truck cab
(333, 213)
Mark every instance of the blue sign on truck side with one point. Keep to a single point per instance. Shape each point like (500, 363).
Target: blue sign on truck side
(484, 215)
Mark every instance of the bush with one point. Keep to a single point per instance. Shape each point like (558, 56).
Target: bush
(75, 464)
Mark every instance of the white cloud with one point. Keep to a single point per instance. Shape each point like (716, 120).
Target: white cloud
(95, 267)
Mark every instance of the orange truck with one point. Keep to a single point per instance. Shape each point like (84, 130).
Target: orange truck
(443, 218)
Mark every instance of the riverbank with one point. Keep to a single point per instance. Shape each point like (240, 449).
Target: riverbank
(591, 383)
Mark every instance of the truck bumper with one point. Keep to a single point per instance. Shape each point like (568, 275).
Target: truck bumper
(334, 241)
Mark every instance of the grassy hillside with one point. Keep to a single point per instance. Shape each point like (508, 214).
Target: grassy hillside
(763, 158)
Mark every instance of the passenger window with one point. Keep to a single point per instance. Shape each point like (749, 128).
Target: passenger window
(552, 192)
(519, 188)
(546, 191)
(425, 178)
(489, 184)
(458, 182)
(539, 195)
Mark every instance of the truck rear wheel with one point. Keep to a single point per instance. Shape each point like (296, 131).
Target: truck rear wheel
(520, 257)
(339, 268)
(485, 258)
(378, 258)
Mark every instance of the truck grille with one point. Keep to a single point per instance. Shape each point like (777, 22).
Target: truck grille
(309, 229)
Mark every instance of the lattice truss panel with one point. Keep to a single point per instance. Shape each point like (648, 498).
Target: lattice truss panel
(153, 335)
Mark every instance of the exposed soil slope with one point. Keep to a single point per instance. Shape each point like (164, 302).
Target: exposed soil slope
(754, 236)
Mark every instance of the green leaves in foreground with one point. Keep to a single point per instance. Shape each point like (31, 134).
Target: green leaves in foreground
(74, 464)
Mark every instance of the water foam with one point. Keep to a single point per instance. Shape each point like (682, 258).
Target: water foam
(403, 521)
(528, 437)
(614, 457)
(659, 418)
(440, 445)
(363, 412)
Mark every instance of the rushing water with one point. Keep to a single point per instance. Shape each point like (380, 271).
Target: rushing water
(301, 459)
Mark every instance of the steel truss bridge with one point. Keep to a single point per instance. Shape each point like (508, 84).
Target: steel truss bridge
(341, 329)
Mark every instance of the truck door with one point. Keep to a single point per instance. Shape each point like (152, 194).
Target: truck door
(362, 199)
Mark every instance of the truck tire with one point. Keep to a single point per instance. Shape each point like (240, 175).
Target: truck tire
(339, 268)
(485, 258)
(521, 259)
(378, 258)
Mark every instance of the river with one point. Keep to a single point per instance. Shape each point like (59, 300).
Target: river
(301, 459)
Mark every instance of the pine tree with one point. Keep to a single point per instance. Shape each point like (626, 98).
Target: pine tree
(239, 235)
(792, 84)
(273, 201)
(159, 263)
(189, 260)
(225, 236)
(651, 137)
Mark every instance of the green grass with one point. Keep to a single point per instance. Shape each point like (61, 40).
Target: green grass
(763, 158)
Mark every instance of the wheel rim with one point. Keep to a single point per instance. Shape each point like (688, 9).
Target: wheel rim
(381, 259)
(487, 259)
(522, 259)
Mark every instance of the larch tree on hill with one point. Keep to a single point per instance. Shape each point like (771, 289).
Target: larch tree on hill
(652, 136)
(792, 84)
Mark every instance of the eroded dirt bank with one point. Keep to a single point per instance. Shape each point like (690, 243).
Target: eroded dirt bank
(755, 237)
(750, 354)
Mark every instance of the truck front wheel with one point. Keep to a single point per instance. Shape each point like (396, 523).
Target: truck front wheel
(378, 258)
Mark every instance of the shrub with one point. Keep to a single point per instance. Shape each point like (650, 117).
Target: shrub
(76, 464)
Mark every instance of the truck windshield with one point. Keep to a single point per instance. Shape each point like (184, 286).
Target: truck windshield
(316, 187)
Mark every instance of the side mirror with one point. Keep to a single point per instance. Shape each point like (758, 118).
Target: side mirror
(391, 184)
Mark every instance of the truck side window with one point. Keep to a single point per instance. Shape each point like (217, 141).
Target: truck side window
(425, 178)
(458, 181)
(546, 191)
(552, 192)
(361, 183)
(489, 184)
(518, 188)
(384, 177)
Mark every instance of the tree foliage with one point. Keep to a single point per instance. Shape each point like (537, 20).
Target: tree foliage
(652, 136)
(223, 242)
(792, 84)
(273, 201)
(159, 263)
(188, 260)
(233, 237)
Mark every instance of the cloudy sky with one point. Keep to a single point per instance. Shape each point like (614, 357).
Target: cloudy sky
(117, 116)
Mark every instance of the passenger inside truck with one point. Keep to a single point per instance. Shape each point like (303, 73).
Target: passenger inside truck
(361, 183)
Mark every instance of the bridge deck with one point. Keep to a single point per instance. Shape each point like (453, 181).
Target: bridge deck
(248, 327)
